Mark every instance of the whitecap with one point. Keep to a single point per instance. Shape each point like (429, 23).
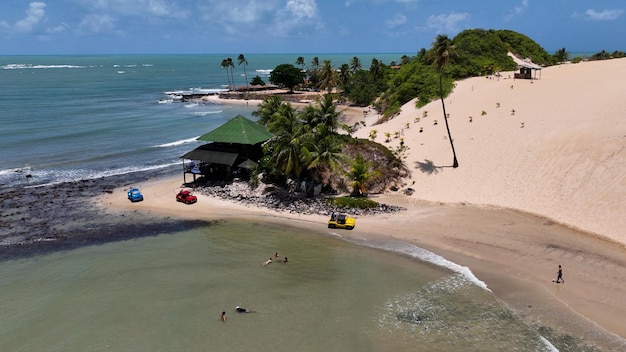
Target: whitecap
(205, 113)
(176, 143)
(31, 66)
(18, 170)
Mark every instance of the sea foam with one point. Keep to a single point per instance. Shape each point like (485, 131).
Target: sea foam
(30, 66)
(61, 176)
(180, 142)
(426, 256)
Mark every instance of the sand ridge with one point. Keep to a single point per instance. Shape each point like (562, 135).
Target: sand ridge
(555, 146)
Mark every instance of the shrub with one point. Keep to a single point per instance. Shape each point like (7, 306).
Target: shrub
(351, 202)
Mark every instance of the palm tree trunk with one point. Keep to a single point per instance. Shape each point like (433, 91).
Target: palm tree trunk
(455, 163)
(232, 77)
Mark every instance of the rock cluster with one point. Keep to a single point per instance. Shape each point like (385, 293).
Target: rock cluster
(281, 200)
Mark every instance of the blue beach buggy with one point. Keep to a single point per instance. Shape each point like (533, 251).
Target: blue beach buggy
(134, 195)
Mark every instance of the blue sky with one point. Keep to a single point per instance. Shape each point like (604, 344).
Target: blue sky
(297, 26)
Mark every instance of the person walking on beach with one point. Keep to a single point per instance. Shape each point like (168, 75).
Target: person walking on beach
(559, 276)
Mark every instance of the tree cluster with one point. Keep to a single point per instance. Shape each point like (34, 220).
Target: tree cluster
(306, 147)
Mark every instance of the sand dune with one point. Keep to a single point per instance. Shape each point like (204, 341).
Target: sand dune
(555, 146)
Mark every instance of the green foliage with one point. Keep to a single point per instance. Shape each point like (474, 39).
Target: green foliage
(480, 52)
(561, 55)
(287, 75)
(604, 55)
(524, 47)
(328, 77)
(361, 172)
(305, 144)
(351, 202)
(414, 79)
(257, 81)
(362, 88)
(268, 108)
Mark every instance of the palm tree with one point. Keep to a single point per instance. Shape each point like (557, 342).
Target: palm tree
(355, 64)
(328, 77)
(360, 174)
(327, 113)
(231, 66)
(441, 51)
(300, 61)
(377, 69)
(561, 55)
(326, 155)
(242, 60)
(315, 63)
(225, 65)
(344, 75)
(289, 154)
(268, 108)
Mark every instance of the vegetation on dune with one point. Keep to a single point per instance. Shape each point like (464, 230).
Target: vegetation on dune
(307, 148)
(387, 87)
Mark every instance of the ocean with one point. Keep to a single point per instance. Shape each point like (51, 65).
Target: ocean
(74, 118)
(66, 118)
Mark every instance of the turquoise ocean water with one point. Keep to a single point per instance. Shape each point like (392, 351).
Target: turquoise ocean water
(69, 118)
(65, 118)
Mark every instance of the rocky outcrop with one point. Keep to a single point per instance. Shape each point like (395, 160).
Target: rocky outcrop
(281, 200)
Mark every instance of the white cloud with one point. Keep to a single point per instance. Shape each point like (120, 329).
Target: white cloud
(301, 9)
(606, 15)
(396, 21)
(376, 2)
(58, 29)
(97, 23)
(517, 10)
(296, 14)
(34, 15)
(239, 16)
(446, 24)
(138, 8)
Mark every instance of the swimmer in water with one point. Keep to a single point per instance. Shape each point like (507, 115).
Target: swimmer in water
(243, 310)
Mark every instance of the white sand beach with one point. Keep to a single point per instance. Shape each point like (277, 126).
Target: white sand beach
(538, 187)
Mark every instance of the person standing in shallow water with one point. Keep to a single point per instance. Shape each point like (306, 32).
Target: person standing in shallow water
(559, 276)
(223, 317)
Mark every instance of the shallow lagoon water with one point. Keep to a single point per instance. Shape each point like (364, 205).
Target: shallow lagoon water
(165, 293)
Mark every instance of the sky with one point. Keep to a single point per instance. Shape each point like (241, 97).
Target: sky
(83, 27)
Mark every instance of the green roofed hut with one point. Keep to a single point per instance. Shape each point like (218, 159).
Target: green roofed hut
(233, 149)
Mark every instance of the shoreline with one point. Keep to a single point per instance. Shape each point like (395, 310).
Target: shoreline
(515, 254)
